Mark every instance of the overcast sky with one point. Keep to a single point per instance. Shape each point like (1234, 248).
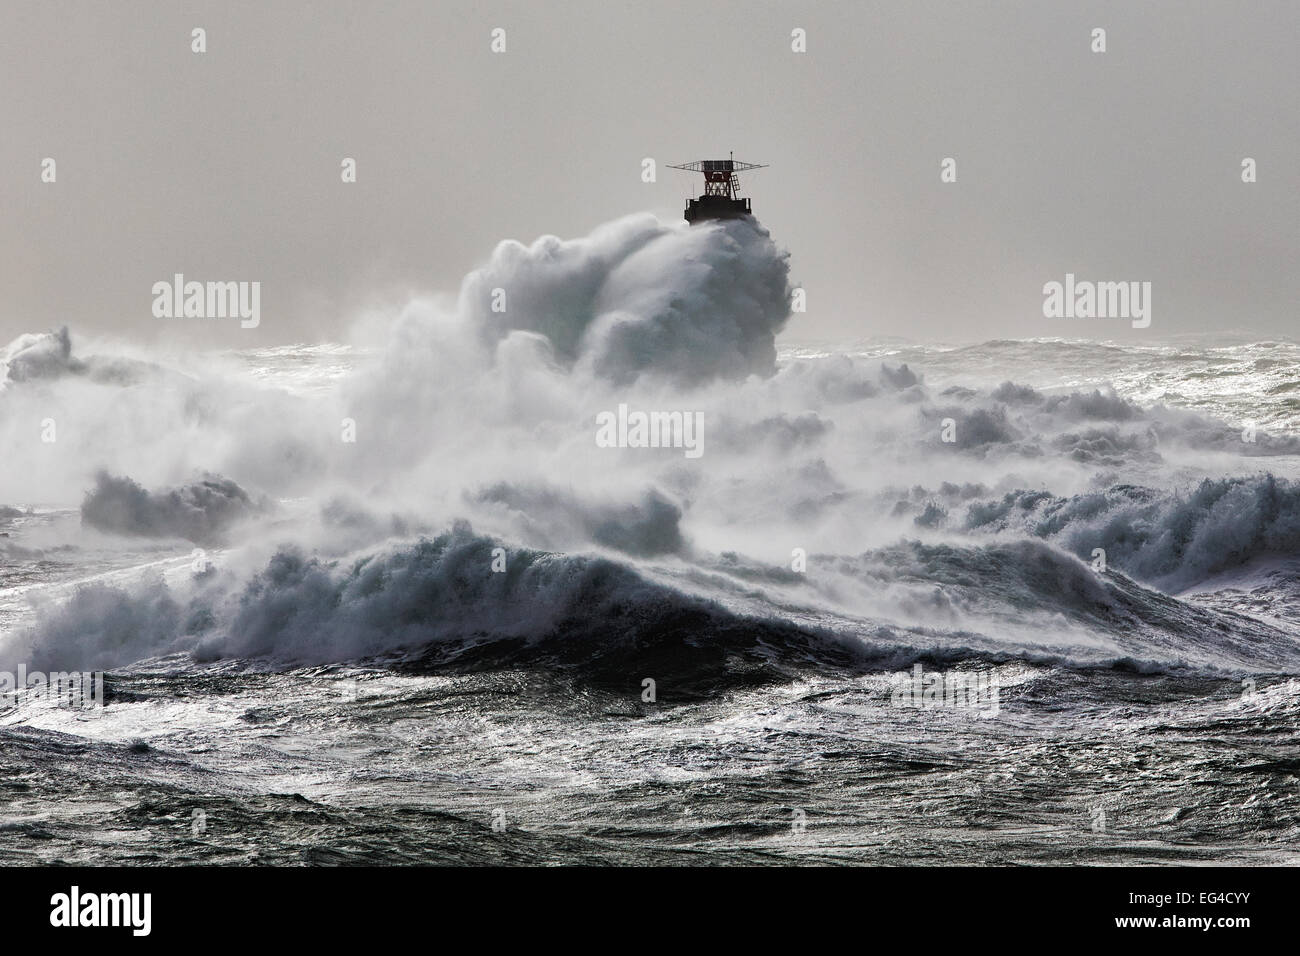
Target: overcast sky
(225, 165)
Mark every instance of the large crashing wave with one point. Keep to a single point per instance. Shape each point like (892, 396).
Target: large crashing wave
(37, 356)
(484, 411)
(457, 599)
(1171, 540)
(201, 511)
(638, 297)
(463, 600)
(47, 356)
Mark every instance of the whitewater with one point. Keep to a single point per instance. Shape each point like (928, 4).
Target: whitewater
(393, 601)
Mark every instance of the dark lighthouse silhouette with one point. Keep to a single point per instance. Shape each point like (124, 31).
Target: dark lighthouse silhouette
(721, 185)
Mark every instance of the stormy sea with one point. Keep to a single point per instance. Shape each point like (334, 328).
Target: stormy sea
(598, 561)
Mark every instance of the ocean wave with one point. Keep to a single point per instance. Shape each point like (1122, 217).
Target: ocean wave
(456, 596)
(463, 600)
(201, 511)
(639, 297)
(948, 513)
(1171, 540)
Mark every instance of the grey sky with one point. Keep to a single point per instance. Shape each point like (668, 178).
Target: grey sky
(1116, 166)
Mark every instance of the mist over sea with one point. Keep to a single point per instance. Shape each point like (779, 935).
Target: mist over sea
(393, 601)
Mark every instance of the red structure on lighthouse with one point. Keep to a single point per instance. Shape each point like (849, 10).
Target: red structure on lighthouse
(720, 199)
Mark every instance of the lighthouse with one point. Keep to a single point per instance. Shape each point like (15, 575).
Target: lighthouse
(720, 199)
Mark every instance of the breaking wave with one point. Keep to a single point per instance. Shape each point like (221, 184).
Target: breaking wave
(847, 512)
(201, 511)
(1170, 539)
(461, 599)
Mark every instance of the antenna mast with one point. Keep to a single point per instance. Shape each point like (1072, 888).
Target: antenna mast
(721, 198)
